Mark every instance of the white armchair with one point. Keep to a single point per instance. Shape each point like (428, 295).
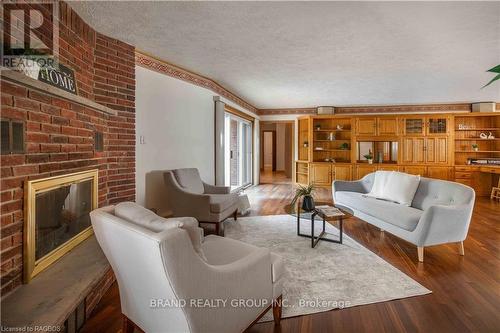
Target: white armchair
(158, 268)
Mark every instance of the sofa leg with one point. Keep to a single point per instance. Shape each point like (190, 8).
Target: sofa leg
(235, 215)
(461, 248)
(420, 250)
(277, 309)
(127, 325)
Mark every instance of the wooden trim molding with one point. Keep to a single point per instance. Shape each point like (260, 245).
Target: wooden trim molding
(379, 109)
(301, 111)
(239, 113)
(161, 66)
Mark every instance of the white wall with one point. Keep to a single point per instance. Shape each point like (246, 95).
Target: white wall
(176, 121)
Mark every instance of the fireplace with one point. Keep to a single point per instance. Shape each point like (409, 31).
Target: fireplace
(57, 217)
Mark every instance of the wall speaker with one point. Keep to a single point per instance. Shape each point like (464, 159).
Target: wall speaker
(484, 107)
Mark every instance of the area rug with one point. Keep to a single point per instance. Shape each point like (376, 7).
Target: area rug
(331, 275)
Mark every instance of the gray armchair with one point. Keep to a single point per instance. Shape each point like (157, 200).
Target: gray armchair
(188, 195)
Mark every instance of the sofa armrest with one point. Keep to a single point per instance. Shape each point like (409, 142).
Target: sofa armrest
(442, 224)
(211, 189)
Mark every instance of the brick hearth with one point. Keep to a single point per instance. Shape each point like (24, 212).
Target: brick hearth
(59, 133)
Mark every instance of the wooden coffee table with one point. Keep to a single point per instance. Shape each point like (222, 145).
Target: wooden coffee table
(297, 211)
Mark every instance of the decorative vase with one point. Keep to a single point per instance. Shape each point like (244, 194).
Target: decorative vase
(475, 148)
(370, 161)
(307, 203)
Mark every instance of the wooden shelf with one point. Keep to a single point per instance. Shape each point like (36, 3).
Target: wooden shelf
(320, 150)
(479, 151)
(302, 173)
(332, 130)
(478, 129)
(332, 140)
(476, 139)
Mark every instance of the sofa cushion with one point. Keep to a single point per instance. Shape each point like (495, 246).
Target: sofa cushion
(139, 215)
(190, 180)
(399, 215)
(221, 202)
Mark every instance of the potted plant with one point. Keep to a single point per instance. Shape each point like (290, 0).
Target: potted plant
(475, 147)
(306, 193)
(344, 146)
(369, 157)
(306, 144)
(318, 127)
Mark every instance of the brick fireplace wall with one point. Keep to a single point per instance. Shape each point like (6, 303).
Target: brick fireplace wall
(59, 134)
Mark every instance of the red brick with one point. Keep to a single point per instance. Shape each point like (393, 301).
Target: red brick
(52, 110)
(24, 170)
(37, 137)
(39, 117)
(12, 89)
(8, 160)
(50, 148)
(37, 158)
(37, 96)
(7, 100)
(11, 206)
(61, 103)
(27, 104)
(49, 128)
(12, 113)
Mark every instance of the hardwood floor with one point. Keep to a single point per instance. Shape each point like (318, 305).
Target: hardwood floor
(465, 290)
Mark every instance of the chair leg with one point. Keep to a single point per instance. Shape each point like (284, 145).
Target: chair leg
(127, 325)
(461, 248)
(277, 309)
(420, 250)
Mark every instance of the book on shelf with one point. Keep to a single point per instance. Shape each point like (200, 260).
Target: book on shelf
(329, 211)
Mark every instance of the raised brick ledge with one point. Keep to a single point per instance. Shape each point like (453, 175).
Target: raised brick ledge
(52, 296)
(18, 78)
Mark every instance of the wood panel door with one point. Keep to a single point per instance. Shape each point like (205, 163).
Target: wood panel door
(366, 126)
(363, 170)
(413, 150)
(436, 150)
(321, 174)
(387, 126)
(415, 169)
(413, 126)
(437, 125)
(439, 172)
(342, 172)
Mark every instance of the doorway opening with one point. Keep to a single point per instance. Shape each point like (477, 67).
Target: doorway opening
(276, 149)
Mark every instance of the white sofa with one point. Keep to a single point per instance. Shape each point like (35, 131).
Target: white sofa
(160, 263)
(440, 211)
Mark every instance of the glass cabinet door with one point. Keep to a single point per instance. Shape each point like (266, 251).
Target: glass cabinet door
(437, 126)
(414, 126)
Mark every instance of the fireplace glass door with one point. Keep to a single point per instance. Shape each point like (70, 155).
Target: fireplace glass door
(61, 214)
(57, 217)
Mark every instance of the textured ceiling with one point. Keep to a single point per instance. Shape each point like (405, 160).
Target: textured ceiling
(301, 54)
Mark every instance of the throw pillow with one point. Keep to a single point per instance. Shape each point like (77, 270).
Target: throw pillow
(401, 188)
(379, 184)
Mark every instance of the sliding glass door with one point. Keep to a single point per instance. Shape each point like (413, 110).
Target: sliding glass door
(237, 151)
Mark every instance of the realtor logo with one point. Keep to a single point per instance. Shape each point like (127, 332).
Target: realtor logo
(30, 34)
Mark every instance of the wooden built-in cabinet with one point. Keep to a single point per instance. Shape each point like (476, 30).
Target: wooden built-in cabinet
(323, 174)
(414, 125)
(433, 145)
(425, 150)
(377, 126)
